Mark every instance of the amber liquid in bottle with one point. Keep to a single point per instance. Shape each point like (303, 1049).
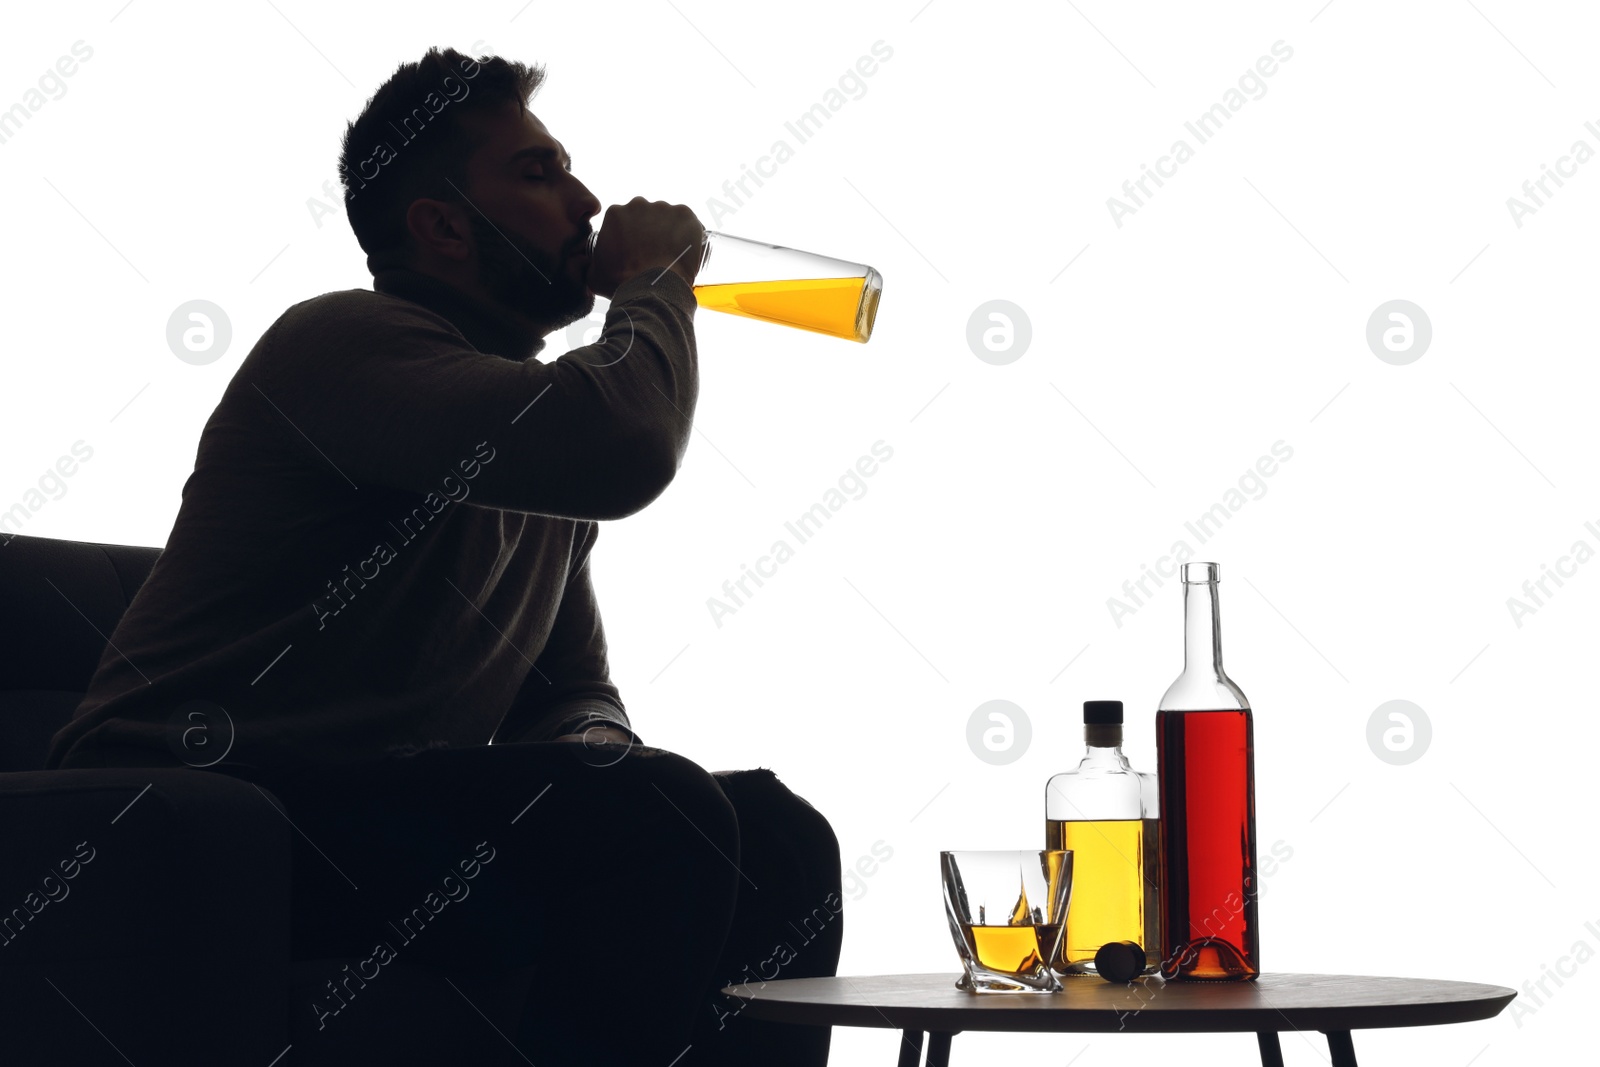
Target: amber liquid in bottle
(838, 307)
(1113, 888)
(1208, 819)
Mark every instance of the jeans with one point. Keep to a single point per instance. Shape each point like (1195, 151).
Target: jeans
(600, 899)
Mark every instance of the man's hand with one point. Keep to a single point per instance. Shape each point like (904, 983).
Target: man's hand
(644, 234)
(599, 735)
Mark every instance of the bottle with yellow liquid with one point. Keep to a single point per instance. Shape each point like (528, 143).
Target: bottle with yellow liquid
(787, 286)
(1106, 813)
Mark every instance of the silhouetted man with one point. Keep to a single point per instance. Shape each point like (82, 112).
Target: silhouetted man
(375, 602)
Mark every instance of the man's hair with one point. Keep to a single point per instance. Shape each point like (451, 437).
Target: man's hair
(410, 142)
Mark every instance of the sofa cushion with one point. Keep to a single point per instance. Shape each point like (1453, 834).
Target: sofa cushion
(29, 718)
(454, 1017)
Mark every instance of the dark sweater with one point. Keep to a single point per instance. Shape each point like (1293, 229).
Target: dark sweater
(383, 545)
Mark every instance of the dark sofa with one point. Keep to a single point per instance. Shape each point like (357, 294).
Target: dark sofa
(144, 913)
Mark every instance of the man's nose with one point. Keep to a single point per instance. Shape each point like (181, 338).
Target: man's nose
(585, 205)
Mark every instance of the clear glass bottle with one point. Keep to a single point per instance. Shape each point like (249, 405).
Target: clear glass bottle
(1105, 812)
(784, 285)
(1205, 756)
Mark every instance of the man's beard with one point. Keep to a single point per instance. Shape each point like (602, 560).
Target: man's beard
(523, 278)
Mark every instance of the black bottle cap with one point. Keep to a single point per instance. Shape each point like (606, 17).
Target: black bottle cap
(1119, 961)
(1102, 712)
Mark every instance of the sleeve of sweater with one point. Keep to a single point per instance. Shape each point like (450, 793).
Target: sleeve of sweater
(569, 687)
(389, 393)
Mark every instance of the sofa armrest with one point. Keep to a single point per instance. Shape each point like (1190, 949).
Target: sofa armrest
(145, 909)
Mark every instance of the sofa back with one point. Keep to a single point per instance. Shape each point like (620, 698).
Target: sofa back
(59, 602)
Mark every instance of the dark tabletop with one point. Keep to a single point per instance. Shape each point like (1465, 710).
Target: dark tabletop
(1277, 1002)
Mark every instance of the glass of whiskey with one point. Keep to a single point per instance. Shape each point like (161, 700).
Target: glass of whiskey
(786, 286)
(1007, 911)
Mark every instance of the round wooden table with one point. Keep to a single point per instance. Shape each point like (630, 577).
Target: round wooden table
(919, 1004)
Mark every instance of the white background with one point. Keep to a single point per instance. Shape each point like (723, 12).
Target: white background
(1228, 313)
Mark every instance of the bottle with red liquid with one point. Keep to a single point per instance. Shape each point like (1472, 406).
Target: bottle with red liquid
(1205, 741)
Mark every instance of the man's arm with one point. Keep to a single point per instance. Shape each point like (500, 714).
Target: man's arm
(384, 392)
(570, 687)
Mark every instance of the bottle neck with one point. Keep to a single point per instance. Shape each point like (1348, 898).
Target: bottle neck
(1103, 747)
(1106, 737)
(1202, 686)
(1202, 629)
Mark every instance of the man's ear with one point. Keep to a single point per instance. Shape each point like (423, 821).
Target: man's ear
(439, 228)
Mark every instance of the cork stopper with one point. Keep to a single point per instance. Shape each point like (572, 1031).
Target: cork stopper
(1102, 736)
(1119, 961)
(1102, 723)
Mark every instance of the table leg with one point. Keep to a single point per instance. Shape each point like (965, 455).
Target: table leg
(910, 1048)
(939, 1050)
(1271, 1051)
(1342, 1048)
